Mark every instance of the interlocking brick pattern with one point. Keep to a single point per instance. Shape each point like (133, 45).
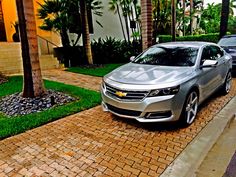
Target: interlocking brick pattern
(94, 143)
(59, 75)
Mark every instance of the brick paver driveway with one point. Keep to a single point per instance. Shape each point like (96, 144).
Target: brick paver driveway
(94, 143)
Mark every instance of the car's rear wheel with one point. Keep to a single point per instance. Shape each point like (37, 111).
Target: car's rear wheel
(227, 84)
(190, 109)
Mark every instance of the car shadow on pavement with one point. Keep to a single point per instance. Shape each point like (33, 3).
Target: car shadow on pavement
(160, 126)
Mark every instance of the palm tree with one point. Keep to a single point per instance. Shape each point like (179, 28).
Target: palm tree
(146, 21)
(224, 17)
(114, 6)
(125, 11)
(232, 6)
(85, 32)
(62, 16)
(173, 19)
(33, 83)
(55, 17)
(191, 17)
(183, 18)
(161, 16)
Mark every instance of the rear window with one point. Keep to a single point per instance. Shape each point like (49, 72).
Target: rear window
(228, 41)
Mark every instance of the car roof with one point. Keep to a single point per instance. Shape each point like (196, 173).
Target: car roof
(196, 44)
(228, 36)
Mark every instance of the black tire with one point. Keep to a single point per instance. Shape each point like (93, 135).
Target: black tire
(227, 84)
(190, 108)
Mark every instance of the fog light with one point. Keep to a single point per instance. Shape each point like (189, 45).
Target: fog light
(158, 115)
(104, 107)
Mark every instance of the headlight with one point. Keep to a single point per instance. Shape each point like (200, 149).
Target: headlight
(165, 91)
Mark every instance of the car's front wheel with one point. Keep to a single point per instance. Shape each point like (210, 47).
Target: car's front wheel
(190, 108)
(227, 84)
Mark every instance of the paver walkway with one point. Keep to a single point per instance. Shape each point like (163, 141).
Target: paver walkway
(94, 143)
(59, 75)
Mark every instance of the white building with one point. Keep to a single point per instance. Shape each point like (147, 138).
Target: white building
(110, 22)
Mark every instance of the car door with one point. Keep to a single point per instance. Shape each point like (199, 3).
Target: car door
(222, 63)
(208, 76)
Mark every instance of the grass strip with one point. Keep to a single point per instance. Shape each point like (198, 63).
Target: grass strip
(10, 126)
(94, 71)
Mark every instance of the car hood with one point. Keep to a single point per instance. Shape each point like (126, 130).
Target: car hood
(141, 74)
(230, 49)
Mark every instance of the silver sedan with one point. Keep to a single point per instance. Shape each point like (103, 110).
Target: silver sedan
(167, 82)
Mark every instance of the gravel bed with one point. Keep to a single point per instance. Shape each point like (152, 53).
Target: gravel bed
(15, 105)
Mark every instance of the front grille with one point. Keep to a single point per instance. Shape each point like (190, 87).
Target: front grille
(123, 111)
(125, 94)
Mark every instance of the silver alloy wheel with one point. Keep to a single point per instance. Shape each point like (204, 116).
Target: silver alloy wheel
(228, 82)
(191, 107)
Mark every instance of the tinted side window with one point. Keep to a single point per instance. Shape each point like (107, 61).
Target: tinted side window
(206, 54)
(216, 52)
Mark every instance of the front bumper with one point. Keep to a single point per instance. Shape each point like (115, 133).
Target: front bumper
(150, 109)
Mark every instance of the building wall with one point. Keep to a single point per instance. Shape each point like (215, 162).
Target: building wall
(10, 17)
(110, 22)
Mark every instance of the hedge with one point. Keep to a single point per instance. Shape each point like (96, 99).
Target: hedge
(211, 37)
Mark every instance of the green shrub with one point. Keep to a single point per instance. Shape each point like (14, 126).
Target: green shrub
(105, 51)
(212, 37)
(111, 50)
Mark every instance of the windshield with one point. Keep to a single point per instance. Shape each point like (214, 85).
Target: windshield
(229, 41)
(168, 56)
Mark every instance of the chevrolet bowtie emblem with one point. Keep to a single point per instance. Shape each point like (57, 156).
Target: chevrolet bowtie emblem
(121, 94)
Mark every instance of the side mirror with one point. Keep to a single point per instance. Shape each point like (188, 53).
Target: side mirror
(132, 58)
(209, 63)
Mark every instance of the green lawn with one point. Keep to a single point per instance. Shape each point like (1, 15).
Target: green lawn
(14, 125)
(98, 71)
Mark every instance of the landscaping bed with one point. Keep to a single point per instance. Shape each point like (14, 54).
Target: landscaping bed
(78, 99)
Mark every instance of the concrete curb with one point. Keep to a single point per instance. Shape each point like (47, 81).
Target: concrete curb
(191, 158)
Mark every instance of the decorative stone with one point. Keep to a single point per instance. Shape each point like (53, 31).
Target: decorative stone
(15, 105)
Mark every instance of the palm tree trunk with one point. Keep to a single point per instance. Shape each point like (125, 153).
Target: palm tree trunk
(132, 15)
(127, 27)
(224, 18)
(85, 32)
(173, 19)
(121, 23)
(191, 18)
(136, 14)
(183, 23)
(146, 21)
(64, 37)
(33, 83)
(125, 15)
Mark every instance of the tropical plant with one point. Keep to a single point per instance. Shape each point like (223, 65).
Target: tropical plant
(62, 16)
(130, 12)
(55, 17)
(210, 18)
(114, 51)
(161, 16)
(114, 6)
(33, 82)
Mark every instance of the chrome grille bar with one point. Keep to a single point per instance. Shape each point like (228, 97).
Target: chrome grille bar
(128, 94)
